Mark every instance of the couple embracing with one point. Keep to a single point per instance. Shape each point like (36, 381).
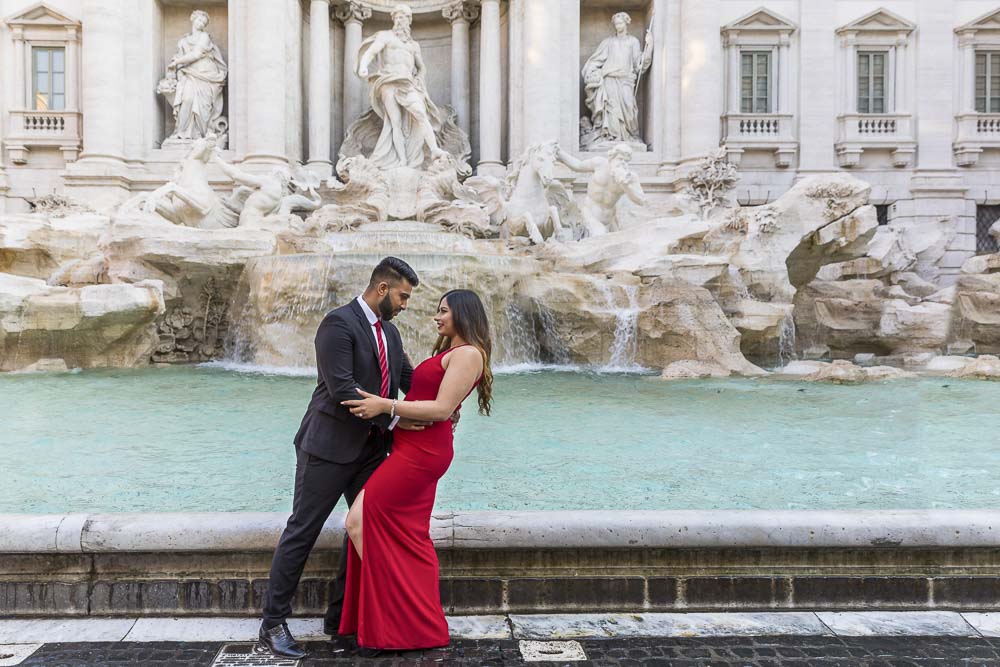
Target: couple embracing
(386, 589)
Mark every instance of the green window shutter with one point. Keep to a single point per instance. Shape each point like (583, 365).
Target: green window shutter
(864, 74)
(746, 83)
(981, 65)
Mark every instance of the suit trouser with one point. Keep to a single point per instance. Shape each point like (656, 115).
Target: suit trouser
(318, 486)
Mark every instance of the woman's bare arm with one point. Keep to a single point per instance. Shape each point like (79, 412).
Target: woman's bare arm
(464, 367)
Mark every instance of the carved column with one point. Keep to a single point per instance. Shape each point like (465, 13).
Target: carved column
(460, 14)
(72, 44)
(784, 75)
(667, 58)
(733, 47)
(319, 88)
(266, 83)
(900, 79)
(702, 72)
(489, 90)
(104, 81)
(967, 82)
(351, 15)
(20, 67)
(851, 68)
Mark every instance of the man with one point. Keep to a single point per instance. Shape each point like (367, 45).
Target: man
(398, 88)
(356, 347)
(612, 178)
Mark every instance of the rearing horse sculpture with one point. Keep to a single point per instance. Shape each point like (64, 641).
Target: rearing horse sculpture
(527, 203)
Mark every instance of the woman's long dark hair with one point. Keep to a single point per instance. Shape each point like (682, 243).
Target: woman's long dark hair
(468, 316)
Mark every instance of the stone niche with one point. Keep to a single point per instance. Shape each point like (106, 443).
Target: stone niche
(433, 33)
(595, 25)
(172, 20)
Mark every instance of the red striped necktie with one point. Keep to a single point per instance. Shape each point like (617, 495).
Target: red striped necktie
(382, 365)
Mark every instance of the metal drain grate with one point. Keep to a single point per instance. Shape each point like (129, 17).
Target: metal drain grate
(249, 655)
(550, 651)
(15, 654)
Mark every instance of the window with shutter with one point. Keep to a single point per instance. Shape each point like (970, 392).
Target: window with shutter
(755, 82)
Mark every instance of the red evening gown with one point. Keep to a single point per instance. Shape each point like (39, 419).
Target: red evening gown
(392, 599)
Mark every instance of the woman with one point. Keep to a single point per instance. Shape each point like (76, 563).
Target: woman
(392, 599)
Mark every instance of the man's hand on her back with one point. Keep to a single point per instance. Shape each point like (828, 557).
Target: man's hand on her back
(411, 424)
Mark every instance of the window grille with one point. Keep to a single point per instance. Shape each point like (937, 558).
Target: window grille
(985, 217)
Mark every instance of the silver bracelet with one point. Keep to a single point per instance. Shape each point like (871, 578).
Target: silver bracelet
(392, 413)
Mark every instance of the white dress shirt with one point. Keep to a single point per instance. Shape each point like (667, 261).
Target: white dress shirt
(372, 319)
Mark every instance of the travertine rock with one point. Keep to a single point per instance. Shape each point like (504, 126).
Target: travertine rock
(690, 370)
(986, 367)
(97, 325)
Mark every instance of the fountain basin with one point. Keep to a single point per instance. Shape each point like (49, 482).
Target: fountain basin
(518, 562)
(195, 439)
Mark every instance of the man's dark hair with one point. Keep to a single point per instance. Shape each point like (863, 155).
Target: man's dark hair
(392, 270)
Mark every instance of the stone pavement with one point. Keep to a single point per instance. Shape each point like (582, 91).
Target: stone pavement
(867, 639)
(784, 651)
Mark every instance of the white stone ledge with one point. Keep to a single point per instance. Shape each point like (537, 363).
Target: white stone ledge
(678, 529)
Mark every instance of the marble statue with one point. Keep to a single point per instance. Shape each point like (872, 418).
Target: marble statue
(276, 193)
(442, 199)
(612, 179)
(188, 199)
(391, 62)
(530, 201)
(359, 195)
(194, 81)
(710, 181)
(611, 80)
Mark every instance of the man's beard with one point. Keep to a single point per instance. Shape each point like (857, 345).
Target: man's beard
(385, 310)
(402, 31)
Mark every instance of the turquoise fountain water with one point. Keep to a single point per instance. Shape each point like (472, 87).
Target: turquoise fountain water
(207, 439)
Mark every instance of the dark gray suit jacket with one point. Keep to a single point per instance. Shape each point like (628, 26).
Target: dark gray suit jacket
(347, 358)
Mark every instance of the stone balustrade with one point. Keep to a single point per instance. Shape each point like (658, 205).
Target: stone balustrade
(859, 132)
(774, 132)
(31, 129)
(976, 132)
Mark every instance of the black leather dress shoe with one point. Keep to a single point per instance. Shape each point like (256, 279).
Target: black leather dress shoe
(364, 652)
(280, 642)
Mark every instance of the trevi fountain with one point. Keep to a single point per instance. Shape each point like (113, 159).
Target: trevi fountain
(741, 266)
(592, 266)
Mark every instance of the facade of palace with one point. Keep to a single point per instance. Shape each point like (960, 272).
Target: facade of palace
(99, 99)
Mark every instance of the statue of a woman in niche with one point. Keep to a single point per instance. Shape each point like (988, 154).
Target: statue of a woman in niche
(195, 78)
(610, 81)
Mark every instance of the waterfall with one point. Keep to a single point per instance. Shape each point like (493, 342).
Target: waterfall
(626, 341)
(530, 341)
(786, 339)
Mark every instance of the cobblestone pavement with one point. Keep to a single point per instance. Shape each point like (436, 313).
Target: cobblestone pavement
(687, 652)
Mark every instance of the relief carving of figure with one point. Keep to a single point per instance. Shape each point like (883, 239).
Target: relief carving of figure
(391, 62)
(611, 80)
(194, 81)
(612, 179)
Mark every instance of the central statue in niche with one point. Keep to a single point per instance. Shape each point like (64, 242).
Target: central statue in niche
(391, 62)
